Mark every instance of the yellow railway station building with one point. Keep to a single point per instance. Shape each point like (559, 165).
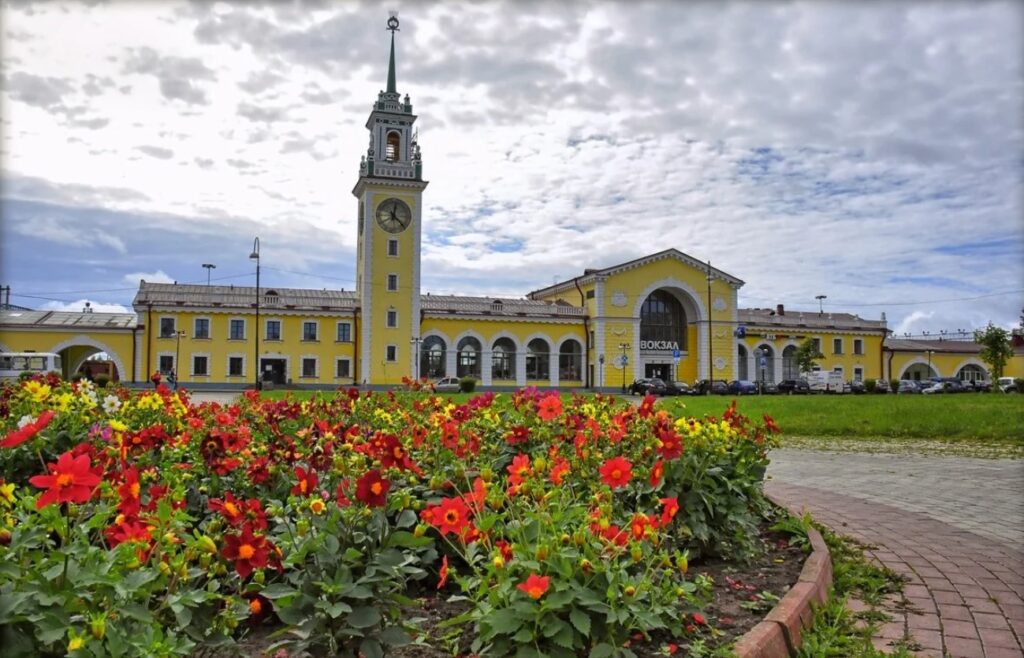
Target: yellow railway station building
(666, 315)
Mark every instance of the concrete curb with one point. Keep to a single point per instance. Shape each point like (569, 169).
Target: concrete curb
(779, 635)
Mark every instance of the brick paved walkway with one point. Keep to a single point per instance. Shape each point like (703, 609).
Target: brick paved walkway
(965, 588)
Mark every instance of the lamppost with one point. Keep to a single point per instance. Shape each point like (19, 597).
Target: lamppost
(821, 298)
(415, 341)
(711, 358)
(600, 371)
(255, 255)
(208, 267)
(177, 355)
(758, 354)
(930, 352)
(624, 361)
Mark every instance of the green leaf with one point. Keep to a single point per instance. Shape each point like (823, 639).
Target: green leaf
(404, 539)
(183, 616)
(504, 621)
(278, 591)
(137, 612)
(364, 617)
(406, 519)
(370, 648)
(565, 636)
(395, 636)
(581, 621)
(603, 650)
(335, 610)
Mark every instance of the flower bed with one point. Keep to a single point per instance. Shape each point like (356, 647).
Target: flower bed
(141, 524)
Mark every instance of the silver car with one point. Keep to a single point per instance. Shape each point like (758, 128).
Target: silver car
(447, 385)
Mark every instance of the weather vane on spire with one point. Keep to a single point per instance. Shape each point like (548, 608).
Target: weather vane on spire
(393, 22)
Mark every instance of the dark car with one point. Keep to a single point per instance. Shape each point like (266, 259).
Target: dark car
(648, 386)
(857, 387)
(718, 387)
(979, 386)
(769, 388)
(793, 386)
(908, 386)
(676, 388)
(742, 387)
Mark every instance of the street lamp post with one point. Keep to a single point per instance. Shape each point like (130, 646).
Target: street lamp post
(208, 267)
(930, 352)
(255, 255)
(711, 357)
(821, 298)
(415, 340)
(177, 356)
(624, 361)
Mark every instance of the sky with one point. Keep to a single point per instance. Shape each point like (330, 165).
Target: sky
(869, 152)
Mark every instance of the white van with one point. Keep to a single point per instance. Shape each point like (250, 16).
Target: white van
(822, 381)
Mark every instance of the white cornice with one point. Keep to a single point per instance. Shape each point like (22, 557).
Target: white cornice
(373, 181)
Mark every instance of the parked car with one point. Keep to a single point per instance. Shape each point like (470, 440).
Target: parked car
(881, 386)
(718, 387)
(676, 388)
(857, 387)
(941, 387)
(742, 387)
(980, 386)
(648, 386)
(909, 386)
(769, 388)
(447, 385)
(1007, 384)
(794, 386)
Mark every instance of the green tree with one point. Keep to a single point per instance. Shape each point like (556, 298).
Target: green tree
(995, 348)
(807, 355)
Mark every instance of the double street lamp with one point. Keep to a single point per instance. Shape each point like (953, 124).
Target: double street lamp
(624, 361)
(255, 255)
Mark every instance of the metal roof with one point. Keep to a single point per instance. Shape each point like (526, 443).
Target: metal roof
(937, 345)
(177, 294)
(768, 317)
(68, 319)
(497, 306)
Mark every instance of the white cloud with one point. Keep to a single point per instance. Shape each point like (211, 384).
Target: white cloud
(64, 232)
(159, 276)
(97, 307)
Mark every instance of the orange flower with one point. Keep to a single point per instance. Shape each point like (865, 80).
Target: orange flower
(657, 472)
(670, 507)
(519, 469)
(616, 472)
(535, 586)
(70, 481)
(372, 489)
(452, 515)
(549, 407)
(769, 424)
(559, 470)
(443, 573)
(248, 551)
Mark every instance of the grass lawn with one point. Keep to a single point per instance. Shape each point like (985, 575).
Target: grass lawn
(970, 418)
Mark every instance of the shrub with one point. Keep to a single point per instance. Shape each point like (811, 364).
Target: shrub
(101, 380)
(1019, 384)
(467, 385)
(869, 385)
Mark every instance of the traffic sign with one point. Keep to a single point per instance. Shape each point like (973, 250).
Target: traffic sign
(676, 354)
(764, 361)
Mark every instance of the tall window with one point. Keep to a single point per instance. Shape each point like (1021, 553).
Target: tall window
(817, 345)
(167, 327)
(201, 328)
(858, 374)
(309, 367)
(166, 363)
(537, 359)
(432, 357)
(503, 359)
(393, 144)
(662, 319)
(766, 372)
(391, 353)
(392, 318)
(342, 368)
(344, 332)
(741, 361)
(858, 346)
(237, 330)
(570, 361)
(273, 331)
(392, 247)
(235, 368)
(790, 369)
(309, 330)
(837, 345)
(468, 357)
(200, 366)
(392, 282)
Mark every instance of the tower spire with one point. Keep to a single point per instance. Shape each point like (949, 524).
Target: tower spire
(393, 27)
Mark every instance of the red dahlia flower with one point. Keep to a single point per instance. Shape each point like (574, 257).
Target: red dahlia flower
(519, 469)
(452, 515)
(248, 551)
(616, 472)
(671, 445)
(549, 407)
(657, 472)
(670, 507)
(307, 483)
(443, 574)
(535, 586)
(558, 470)
(372, 489)
(70, 481)
(23, 434)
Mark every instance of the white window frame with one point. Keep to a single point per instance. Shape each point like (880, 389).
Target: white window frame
(391, 313)
(227, 364)
(170, 355)
(316, 325)
(209, 328)
(337, 331)
(245, 328)
(338, 361)
(392, 241)
(858, 374)
(837, 341)
(817, 343)
(160, 326)
(391, 350)
(192, 364)
(280, 332)
(390, 279)
(839, 369)
(302, 366)
(858, 346)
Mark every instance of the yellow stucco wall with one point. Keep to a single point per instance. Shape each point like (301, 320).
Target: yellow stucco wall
(75, 346)
(780, 338)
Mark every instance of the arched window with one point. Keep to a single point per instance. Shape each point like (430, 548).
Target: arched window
(392, 150)
(662, 318)
(468, 357)
(790, 369)
(503, 360)
(741, 357)
(765, 373)
(570, 361)
(432, 361)
(537, 359)
(971, 373)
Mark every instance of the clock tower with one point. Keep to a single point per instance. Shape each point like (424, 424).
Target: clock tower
(390, 192)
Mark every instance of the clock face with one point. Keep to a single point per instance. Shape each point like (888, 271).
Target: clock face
(394, 216)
